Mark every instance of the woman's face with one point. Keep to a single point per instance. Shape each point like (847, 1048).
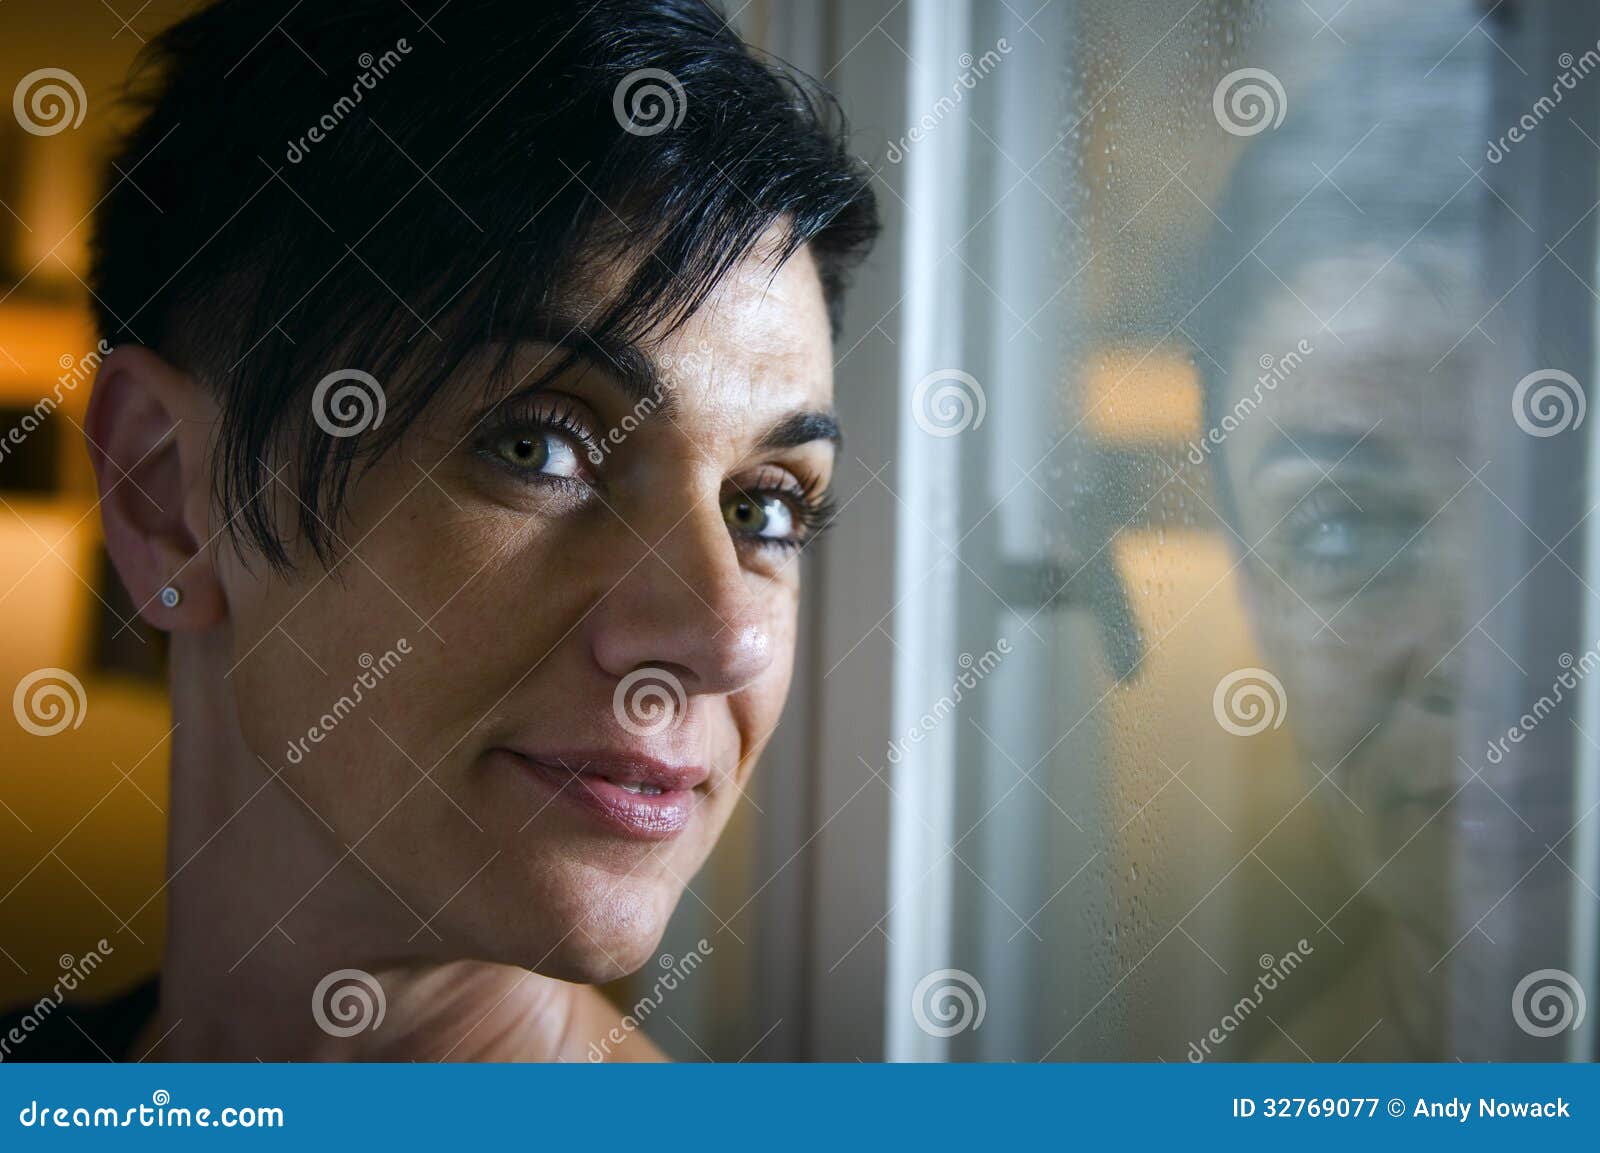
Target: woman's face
(1348, 482)
(559, 571)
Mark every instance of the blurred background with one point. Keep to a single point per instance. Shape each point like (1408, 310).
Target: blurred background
(1094, 252)
(82, 854)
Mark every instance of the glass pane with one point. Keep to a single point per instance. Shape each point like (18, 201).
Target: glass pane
(1281, 314)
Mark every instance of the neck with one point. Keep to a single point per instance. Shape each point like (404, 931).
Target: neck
(264, 902)
(1416, 997)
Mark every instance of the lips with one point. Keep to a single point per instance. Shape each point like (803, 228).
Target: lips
(637, 796)
(1511, 818)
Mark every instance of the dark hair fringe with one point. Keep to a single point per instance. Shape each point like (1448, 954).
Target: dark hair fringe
(459, 203)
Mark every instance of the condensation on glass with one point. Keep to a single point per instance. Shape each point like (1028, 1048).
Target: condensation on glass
(1285, 334)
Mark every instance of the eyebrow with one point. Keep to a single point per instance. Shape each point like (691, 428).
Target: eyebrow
(619, 359)
(1327, 448)
(800, 428)
(635, 373)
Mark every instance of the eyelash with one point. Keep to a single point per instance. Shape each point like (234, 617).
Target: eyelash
(543, 414)
(811, 502)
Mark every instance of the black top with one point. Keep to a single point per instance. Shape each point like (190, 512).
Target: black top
(101, 1031)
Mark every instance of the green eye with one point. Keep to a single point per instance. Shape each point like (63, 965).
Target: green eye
(1331, 541)
(766, 517)
(1327, 547)
(543, 452)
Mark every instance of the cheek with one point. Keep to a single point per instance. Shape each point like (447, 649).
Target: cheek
(757, 709)
(326, 680)
(404, 647)
(1336, 693)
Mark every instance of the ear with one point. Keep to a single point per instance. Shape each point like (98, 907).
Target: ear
(148, 429)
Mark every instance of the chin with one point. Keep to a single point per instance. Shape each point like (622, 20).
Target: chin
(591, 964)
(577, 923)
(620, 938)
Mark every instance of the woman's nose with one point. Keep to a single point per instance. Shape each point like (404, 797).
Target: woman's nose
(686, 607)
(1443, 656)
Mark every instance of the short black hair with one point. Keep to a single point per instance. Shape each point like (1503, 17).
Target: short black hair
(1369, 158)
(314, 187)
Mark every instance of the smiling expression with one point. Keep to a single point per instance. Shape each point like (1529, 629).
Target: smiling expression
(598, 584)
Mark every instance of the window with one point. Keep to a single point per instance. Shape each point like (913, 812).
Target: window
(1246, 616)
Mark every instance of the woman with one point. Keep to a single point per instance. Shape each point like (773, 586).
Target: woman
(470, 405)
(1348, 475)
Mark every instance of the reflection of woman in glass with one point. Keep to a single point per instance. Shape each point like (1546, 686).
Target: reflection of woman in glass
(1343, 481)
(465, 454)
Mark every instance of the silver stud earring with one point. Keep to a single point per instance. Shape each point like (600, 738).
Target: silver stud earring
(170, 596)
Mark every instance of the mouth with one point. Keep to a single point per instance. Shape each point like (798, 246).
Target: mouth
(1513, 818)
(638, 797)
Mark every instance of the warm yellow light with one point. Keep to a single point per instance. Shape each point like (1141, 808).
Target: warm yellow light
(1136, 396)
(39, 345)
